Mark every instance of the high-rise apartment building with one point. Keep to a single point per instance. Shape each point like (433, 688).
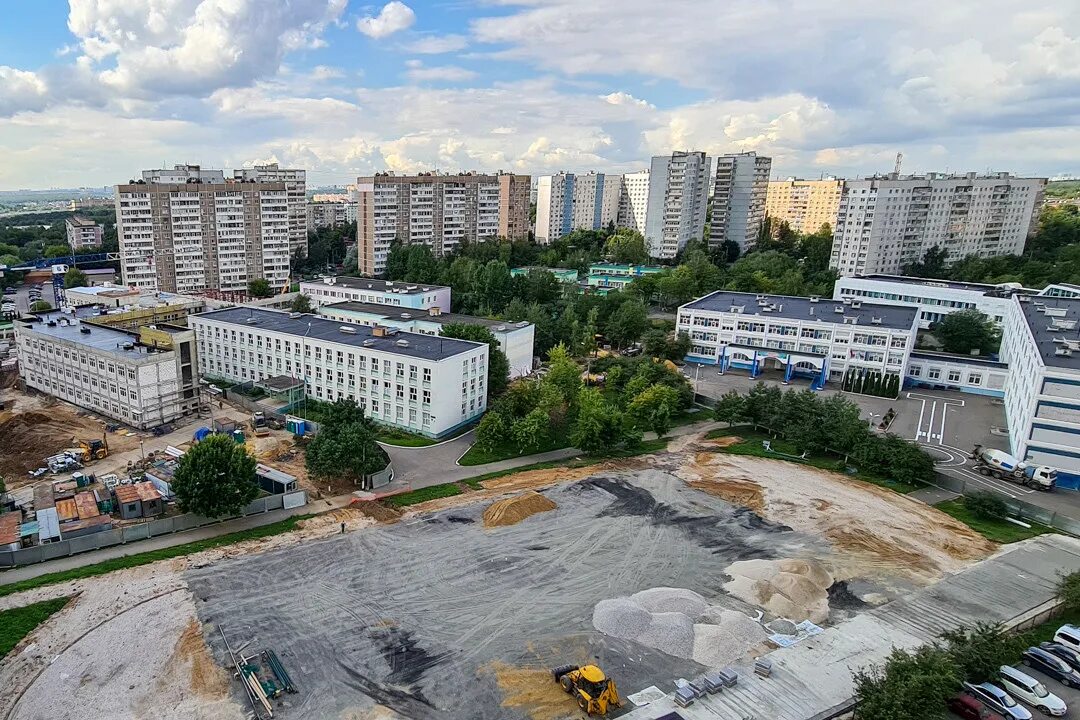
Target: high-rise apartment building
(634, 201)
(566, 202)
(296, 188)
(805, 205)
(190, 230)
(440, 211)
(678, 195)
(740, 187)
(887, 222)
(82, 232)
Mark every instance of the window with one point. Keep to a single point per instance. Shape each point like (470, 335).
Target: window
(933, 374)
(915, 371)
(954, 376)
(427, 397)
(974, 379)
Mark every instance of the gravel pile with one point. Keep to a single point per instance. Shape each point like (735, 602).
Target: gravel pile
(679, 622)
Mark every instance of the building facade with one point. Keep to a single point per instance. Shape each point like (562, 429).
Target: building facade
(740, 188)
(326, 214)
(935, 298)
(678, 196)
(567, 202)
(296, 197)
(885, 223)
(813, 337)
(82, 232)
(805, 205)
(634, 201)
(440, 211)
(423, 384)
(143, 378)
(943, 371)
(515, 339)
(372, 290)
(1041, 344)
(190, 230)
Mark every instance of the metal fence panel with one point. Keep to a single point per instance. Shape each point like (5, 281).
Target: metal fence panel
(50, 551)
(292, 500)
(273, 502)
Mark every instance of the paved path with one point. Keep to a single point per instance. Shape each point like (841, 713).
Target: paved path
(166, 541)
(932, 495)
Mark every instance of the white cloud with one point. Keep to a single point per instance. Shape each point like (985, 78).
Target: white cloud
(394, 17)
(417, 72)
(325, 72)
(622, 98)
(437, 44)
(20, 91)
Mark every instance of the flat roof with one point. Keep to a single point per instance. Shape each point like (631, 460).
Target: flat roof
(376, 285)
(81, 221)
(427, 347)
(956, 358)
(100, 338)
(934, 282)
(1063, 325)
(787, 307)
(9, 527)
(398, 314)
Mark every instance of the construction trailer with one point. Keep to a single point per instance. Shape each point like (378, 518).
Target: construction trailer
(139, 500)
(274, 481)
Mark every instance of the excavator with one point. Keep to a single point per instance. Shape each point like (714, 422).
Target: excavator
(88, 450)
(594, 691)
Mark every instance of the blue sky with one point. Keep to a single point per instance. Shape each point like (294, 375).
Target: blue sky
(93, 91)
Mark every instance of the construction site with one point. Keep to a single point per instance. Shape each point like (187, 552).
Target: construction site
(657, 570)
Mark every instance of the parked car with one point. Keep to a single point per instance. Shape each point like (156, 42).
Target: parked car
(997, 700)
(1069, 655)
(1069, 636)
(968, 708)
(1023, 686)
(1052, 665)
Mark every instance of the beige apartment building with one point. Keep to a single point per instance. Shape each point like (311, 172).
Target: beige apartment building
(440, 211)
(805, 205)
(189, 230)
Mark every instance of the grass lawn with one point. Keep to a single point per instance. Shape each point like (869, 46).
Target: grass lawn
(17, 623)
(128, 561)
(998, 531)
(477, 456)
(752, 445)
(401, 438)
(433, 492)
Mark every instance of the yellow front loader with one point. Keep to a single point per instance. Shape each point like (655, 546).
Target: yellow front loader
(595, 692)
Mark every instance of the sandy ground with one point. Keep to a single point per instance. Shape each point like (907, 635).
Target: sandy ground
(492, 607)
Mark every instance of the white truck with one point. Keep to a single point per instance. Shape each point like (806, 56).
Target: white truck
(1003, 466)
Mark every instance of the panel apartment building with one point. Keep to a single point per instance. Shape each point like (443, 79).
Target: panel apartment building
(567, 202)
(634, 201)
(143, 378)
(190, 230)
(741, 184)
(885, 223)
(440, 211)
(678, 196)
(424, 384)
(805, 205)
(296, 190)
(82, 232)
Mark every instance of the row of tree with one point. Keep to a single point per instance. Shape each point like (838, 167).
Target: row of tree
(871, 382)
(814, 423)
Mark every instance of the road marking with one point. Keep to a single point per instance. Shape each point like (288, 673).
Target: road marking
(951, 401)
(918, 428)
(930, 425)
(941, 435)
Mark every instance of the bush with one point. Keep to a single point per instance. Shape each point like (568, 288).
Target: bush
(986, 506)
(1069, 591)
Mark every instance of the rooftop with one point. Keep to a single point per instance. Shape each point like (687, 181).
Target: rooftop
(79, 221)
(374, 284)
(1005, 288)
(1055, 325)
(144, 491)
(428, 347)
(898, 317)
(398, 314)
(9, 528)
(69, 326)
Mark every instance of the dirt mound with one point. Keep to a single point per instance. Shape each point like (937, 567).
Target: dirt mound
(794, 589)
(737, 491)
(533, 691)
(511, 511)
(373, 509)
(29, 438)
(726, 441)
(329, 523)
(207, 677)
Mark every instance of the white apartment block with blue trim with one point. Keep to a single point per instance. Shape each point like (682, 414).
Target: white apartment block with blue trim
(343, 288)
(1041, 345)
(811, 336)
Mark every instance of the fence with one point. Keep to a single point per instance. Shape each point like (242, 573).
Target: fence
(142, 531)
(1017, 507)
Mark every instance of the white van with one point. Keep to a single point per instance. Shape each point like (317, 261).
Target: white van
(1069, 636)
(1026, 688)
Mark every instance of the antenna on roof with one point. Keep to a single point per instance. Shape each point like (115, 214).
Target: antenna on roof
(899, 162)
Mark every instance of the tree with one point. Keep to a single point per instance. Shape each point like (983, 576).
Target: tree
(985, 505)
(932, 265)
(301, 304)
(628, 323)
(40, 306)
(498, 373)
(599, 425)
(531, 431)
(654, 408)
(215, 478)
(75, 277)
(907, 686)
(626, 246)
(729, 407)
(345, 445)
(966, 330)
(761, 404)
(563, 374)
(1068, 590)
(57, 251)
(654, 343)
(979, 651)
(492, 431)
(260, 288)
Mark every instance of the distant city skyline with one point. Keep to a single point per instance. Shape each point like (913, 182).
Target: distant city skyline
(92, 90)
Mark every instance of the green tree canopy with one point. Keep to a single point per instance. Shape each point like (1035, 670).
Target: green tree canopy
(599, 425)
(215, 478)
(979, 651)
(260, 288)
(967, 330)
(40, 306)
(345, 445)
(730, 407)
(498, 372)
(626, 246)
(907, 686)
(654, 408)
(628, 323)
(564, 374)
(75, 277)
(301, 304)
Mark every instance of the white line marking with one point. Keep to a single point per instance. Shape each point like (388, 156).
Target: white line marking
(918, 428)
(941, 436)
(952, 401)
(930, 425)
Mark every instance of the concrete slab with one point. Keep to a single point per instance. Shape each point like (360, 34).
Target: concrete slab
(933, 495)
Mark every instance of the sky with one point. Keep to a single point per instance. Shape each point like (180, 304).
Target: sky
(94, 91)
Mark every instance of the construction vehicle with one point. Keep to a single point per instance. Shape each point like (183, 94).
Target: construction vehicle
(88, 450)
(595, 692)
(1003, 466)
(259, 425)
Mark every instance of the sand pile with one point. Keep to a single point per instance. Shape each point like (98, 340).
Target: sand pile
(679, 622)
(511, 511)
(795, 589)
(531, 690)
